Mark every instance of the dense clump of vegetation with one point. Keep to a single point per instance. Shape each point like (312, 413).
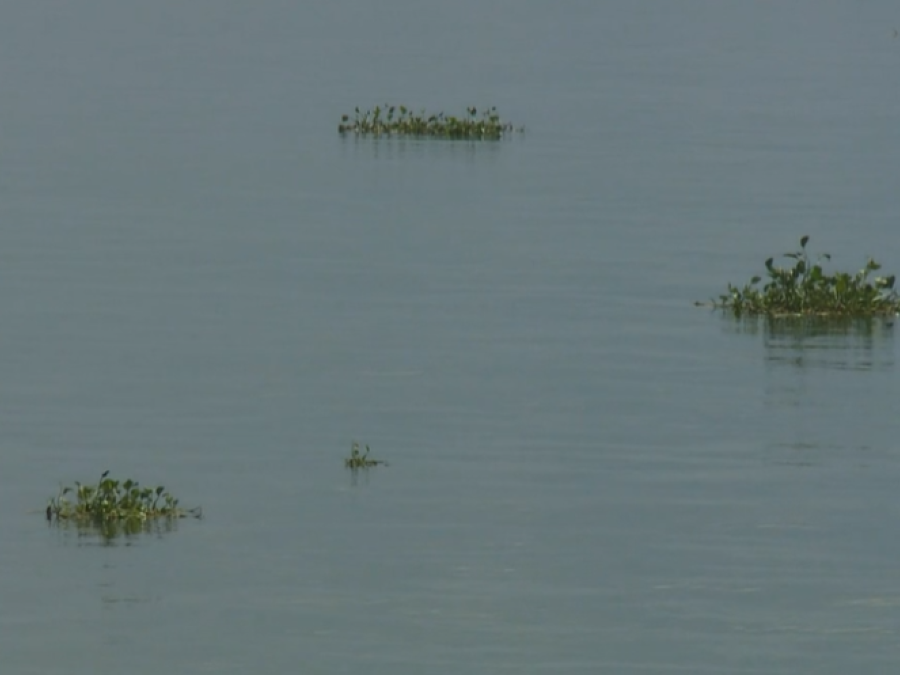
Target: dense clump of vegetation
(359, 460)
(400, 120)
(113, 501)
(805, 289)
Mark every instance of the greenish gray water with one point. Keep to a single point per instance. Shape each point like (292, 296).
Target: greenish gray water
(204, 286)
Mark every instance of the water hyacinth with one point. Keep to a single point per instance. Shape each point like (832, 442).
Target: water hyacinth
(359, 460)
(112, 500)
(402, 121)
(805, 289)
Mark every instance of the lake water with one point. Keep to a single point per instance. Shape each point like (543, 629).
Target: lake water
(203, 285)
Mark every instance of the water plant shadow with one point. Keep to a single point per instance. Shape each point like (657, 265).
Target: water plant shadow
(815, 341)
(833, 343)
(809, 326)
(113, 532)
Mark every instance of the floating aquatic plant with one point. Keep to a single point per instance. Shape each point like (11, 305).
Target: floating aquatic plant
(359, 460)
(805, 289)
(400, 120)
(111, 501)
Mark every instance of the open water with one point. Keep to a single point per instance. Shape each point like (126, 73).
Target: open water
(202, 285)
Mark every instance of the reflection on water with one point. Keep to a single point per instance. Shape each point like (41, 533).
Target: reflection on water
(114, 593)
(838, 343)
(823, 385)
(811, 453)
(113, 532)
(835, 343)
(110, 601)
(403, 147)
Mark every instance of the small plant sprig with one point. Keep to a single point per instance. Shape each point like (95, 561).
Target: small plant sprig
(804, 289)
(112, 501)
(402, 121)
(358, 460)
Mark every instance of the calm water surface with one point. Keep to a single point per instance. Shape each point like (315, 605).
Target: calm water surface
(203, 286)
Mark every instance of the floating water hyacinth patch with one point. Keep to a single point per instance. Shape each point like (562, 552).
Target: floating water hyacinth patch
(402, 121)
(803, 288)
(114, 501)
(359, 460)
